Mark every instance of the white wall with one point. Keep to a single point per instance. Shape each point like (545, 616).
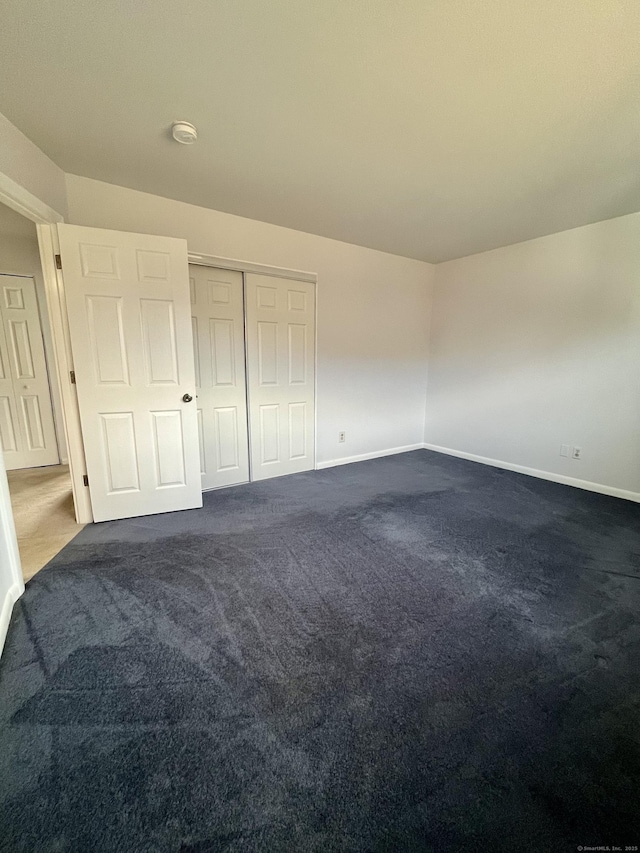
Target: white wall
(11, 583)
(537, 345)
(22, 163)
(20, 255)
(373, 310)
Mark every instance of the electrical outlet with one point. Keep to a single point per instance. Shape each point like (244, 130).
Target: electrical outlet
(564, 450)
(340, 436)
(577, 453)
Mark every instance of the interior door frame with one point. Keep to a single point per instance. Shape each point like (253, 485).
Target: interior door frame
(277, 272)
(54, 289)
(18, 198)
(47, 358)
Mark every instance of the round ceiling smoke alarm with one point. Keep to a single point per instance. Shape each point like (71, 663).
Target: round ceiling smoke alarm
(184, 132)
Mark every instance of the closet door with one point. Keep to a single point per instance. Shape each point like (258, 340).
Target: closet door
(281, 375)
(217, 312)
(27, 432)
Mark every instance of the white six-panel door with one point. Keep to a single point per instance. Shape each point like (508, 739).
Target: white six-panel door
(130, 326)
(27, 432)
(281, 375)
(217, 312)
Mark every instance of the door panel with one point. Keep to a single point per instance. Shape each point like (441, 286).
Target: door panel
(159, 336)
(32, 420)
(297, 430)
(281, 380)
(7, 425)
(227, 435)
(268, 353)
(119, 442)
(222, 352)
(269, 433)
(128, 305)
(27, 430)
(21, 349)
(106, 331)
(217, 307)
(297, 354)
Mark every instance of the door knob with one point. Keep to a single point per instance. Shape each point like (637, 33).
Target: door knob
(187, 398)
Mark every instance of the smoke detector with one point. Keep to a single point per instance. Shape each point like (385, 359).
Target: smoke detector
(184, 132)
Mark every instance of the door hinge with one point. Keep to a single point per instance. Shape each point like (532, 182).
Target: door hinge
(72, 374)
(58, 262)
(85, 480)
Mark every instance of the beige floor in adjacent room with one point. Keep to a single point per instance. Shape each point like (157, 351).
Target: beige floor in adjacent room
(43, 512)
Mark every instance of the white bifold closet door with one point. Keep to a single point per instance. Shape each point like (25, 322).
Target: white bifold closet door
(280, 316)
(217, 311)
(129, 315)
(27, 432)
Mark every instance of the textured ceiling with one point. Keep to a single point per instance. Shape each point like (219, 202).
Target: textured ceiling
(427, 128)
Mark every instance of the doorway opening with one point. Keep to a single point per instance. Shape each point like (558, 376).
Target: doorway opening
(32, 433)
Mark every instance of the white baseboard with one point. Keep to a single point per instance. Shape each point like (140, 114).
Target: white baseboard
(542, 475)
(362, 457)
(12, 595)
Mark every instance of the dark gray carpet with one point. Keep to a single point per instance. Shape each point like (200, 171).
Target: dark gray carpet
(414, 653)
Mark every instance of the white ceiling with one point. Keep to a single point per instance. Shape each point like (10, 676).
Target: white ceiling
(427, 128)
(12, 224)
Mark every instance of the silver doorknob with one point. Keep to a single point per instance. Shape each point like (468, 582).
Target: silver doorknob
(187, 398)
